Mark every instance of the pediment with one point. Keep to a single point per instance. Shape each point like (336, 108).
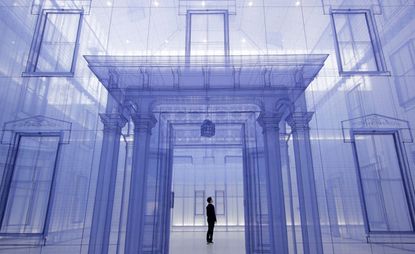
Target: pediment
(376, 123)
(36, 124)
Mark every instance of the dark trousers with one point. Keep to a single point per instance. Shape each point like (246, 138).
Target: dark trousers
(209, 235)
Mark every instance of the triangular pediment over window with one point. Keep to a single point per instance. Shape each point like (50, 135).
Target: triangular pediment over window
(36, 124)
(376, 123)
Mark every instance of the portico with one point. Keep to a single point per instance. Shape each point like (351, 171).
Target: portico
(272, 89)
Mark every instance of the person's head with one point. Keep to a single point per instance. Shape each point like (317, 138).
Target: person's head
(209, 200)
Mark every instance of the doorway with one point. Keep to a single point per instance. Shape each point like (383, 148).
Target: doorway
(207, 167)
(184, 168)
(229, 167)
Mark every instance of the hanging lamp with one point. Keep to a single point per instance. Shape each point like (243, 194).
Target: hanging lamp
(207, 129)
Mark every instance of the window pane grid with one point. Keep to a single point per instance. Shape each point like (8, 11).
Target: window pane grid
(207, 33)
(356, 47)
(28, 196)
(54, 44)
(384, 195)
(403, 63)
(58, 43)
(220, 202)
(199, 203)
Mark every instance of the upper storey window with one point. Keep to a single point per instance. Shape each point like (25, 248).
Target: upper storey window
(207, 33)
(357, 45)
(391, 7)
(55, 43)
(403, 66)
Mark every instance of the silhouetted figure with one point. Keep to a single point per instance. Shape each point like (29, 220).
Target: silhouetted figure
(211, 219)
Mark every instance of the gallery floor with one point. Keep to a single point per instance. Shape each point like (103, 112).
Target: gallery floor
(195, 242)
(234, 242)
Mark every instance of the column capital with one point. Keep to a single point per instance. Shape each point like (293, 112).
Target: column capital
(299, 120)
(113, 121)
(269, 120)
(143, 122)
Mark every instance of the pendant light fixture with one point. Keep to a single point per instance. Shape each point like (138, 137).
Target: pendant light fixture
(207, 129)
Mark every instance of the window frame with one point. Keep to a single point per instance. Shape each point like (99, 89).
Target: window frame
(217, 210)
(225, 13)
(399, 87)
(37, 41)
(405, 175)
(355, 93)
(8, 177)
(79, 200)
(387, 16)
(374, 39)
(196, 200)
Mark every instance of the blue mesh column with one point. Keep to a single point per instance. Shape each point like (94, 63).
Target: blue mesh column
(107, 172)
(143, 124)
(309, 215)
(275, 190)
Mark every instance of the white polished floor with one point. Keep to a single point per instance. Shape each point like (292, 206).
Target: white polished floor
(195, 243)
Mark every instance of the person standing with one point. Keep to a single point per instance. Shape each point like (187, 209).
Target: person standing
(211, 219)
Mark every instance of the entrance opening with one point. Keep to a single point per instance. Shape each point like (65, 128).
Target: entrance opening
(205, 167)
(186, 167)
(202, 168)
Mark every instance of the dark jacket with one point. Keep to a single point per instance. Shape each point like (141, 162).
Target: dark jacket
(210, 212)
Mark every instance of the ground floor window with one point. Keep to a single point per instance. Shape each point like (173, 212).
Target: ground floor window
(27, 184)
(385, 193)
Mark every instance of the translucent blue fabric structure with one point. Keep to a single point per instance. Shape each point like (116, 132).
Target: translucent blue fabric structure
(119, 118)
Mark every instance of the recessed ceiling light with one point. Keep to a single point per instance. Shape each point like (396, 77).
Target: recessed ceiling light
(203, 3)
(297, 3)
(243, 40)
(250, 3)
(109, 3)
(156, 3)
